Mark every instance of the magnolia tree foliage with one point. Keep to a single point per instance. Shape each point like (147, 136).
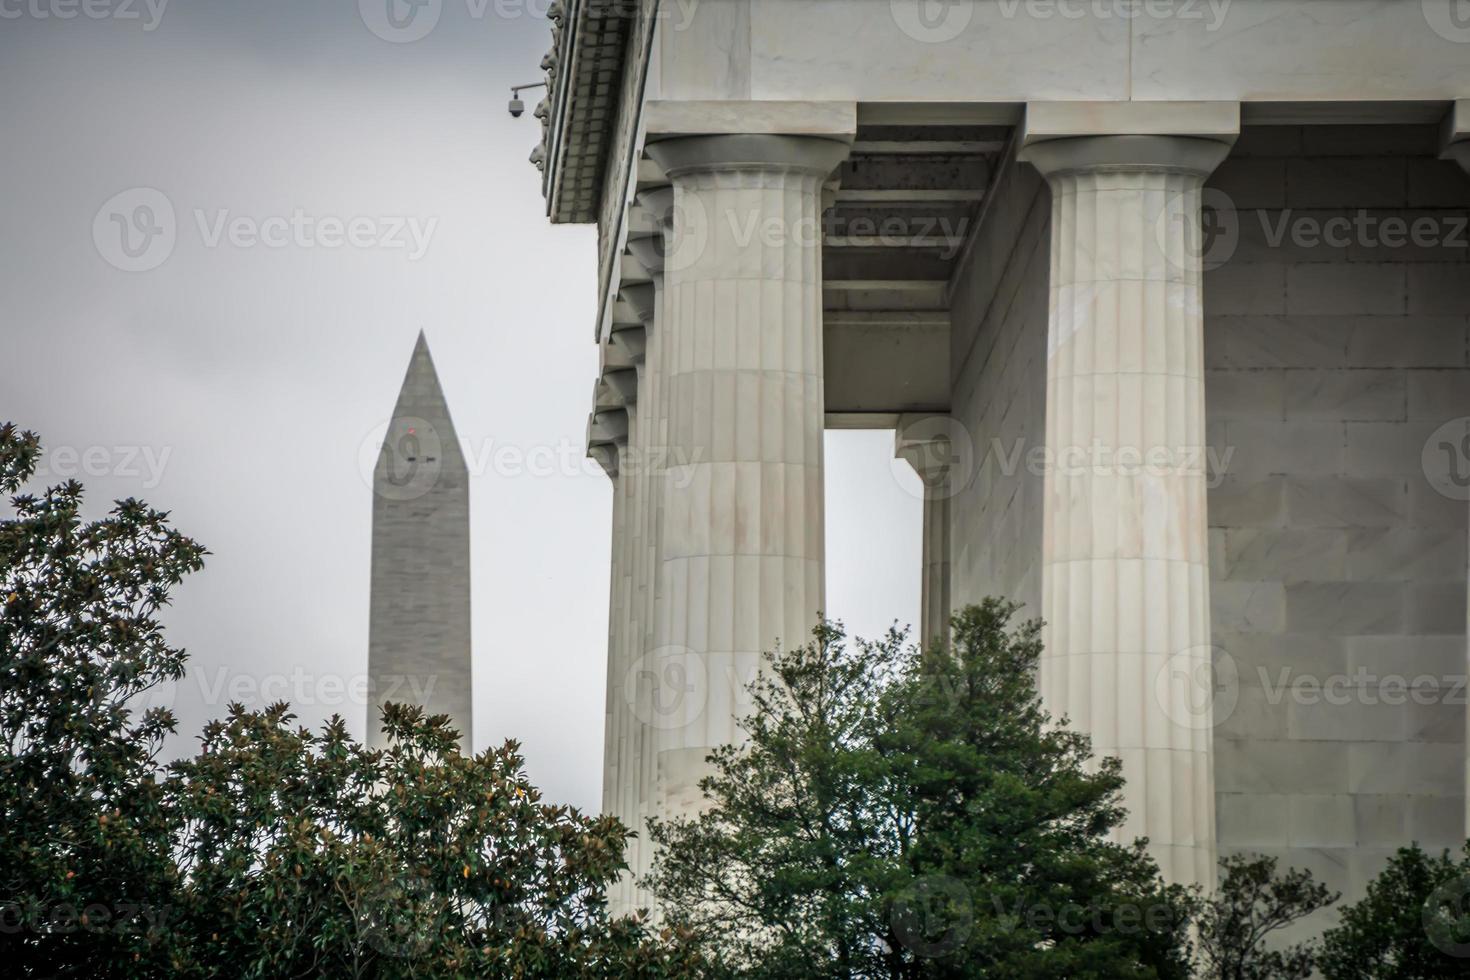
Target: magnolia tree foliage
(86, 868)
(307, 854)
(906, 813)
(274, 851)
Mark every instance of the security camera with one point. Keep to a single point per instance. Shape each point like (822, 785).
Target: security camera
(516, 106)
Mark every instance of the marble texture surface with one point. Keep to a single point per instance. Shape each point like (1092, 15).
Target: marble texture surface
(1337, 560)
(997, 51)
(741, 537)
(927, 443)
(1125, 573)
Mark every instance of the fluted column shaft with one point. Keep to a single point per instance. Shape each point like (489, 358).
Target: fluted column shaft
(607, 444)
(629, 645)
(924, 443)
(934, 589)
(1125, 574)
(628, 625)
(642, 755)
(741, 537)
(612, 751)
(636, 341)
(649, 251)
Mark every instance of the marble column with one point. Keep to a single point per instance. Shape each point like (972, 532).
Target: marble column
(641, 344)
(632, 338)
(623, 384)
(1125, 574)
(649, 252)
(741, 537)
(924, 444)
(607, 440)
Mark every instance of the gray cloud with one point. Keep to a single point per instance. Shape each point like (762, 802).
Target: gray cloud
(250, 373)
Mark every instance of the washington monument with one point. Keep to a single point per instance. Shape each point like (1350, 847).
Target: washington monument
(419, 626)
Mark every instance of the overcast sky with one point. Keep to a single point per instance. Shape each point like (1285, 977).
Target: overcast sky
(299, 196)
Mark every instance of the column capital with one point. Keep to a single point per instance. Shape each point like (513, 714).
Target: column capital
(925, 443)
(640, 296)
(607, 435)
(603, 397)
(607, 426)
(605, 454)
(630, 304)
(623, 381)
(612, 359)
(1194, 155)
(1064, 120)
(656, 202)
(815, 155)
(649, 251)
(633, 341)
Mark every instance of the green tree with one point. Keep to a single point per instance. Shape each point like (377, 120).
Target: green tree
(274, 851)
(85, 842)
(1411, 925)
(1235, 924)
(307, 855)
(905, 813)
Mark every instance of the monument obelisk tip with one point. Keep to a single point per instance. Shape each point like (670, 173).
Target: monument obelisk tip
(419, 625)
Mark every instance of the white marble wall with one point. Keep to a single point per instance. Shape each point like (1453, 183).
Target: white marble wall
(1332, 550)
(1334, 555)
(998, 331)
(998, 51)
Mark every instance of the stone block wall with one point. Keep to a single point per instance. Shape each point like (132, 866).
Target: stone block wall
(1336, 349)
(998, 322)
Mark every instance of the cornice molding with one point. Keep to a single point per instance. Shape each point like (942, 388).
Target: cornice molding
(585, 70)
